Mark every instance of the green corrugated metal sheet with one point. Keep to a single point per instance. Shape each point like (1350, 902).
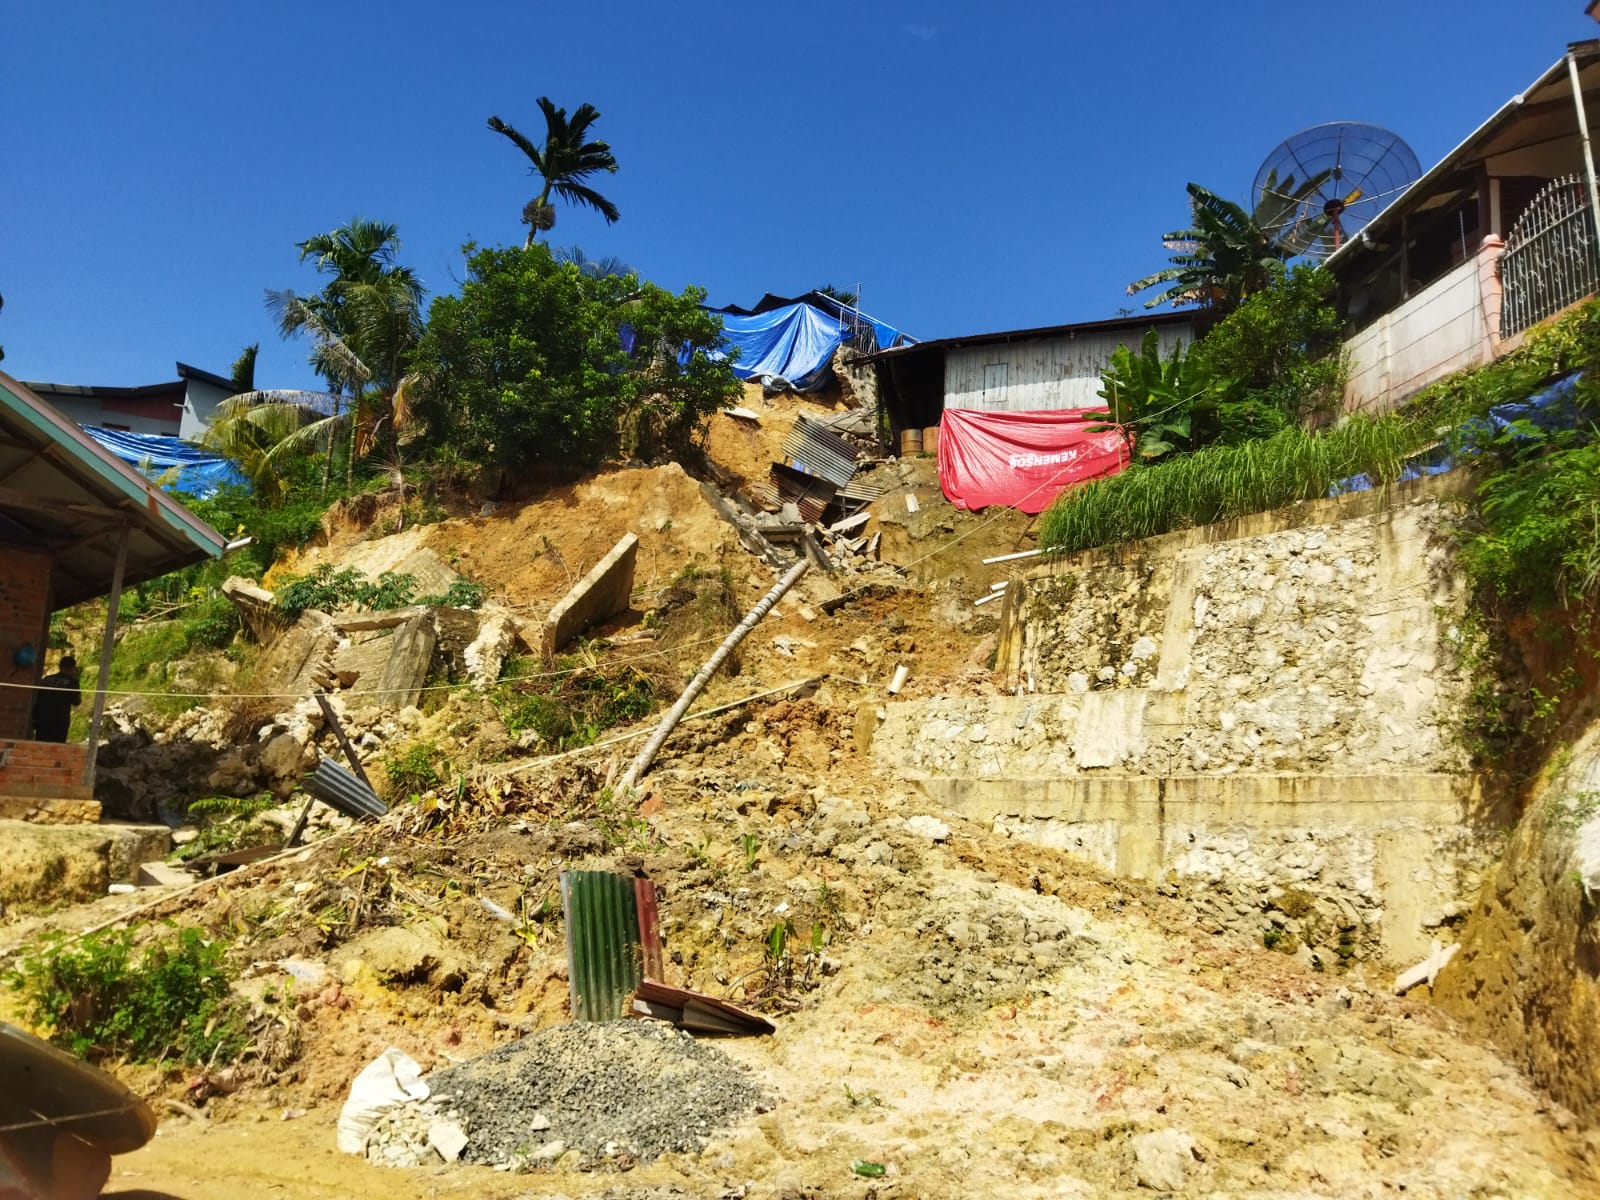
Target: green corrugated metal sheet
(602, 943)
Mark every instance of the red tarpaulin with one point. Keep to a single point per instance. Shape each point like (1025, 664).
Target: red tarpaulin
(1024, 459)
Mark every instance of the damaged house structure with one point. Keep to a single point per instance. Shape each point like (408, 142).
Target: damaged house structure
(76, 524)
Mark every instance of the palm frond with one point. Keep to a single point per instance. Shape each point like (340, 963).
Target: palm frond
(576, 193)
(517, 139)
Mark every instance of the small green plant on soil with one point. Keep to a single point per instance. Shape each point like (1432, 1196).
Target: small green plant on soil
(865, 1098)
(413, 770)
(225, 823)
(100, 996)
(750, 844)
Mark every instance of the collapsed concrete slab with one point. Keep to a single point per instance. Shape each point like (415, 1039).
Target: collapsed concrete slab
(602, 593)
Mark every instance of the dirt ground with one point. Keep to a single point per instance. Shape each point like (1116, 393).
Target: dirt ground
(981, 1016)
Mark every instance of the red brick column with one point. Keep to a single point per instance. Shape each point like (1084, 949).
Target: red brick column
(24, 610)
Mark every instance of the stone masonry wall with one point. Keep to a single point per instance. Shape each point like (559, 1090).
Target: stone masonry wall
(24, 606)
(1264, 711)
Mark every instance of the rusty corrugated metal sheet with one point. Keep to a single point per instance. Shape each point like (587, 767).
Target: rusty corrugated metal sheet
(809, 493)
(602, 943)
(819, 451)
(644, 900)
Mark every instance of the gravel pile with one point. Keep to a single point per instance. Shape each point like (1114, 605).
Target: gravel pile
(634, 1089)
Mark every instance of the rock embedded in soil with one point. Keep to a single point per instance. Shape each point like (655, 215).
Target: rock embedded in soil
(621, 1089)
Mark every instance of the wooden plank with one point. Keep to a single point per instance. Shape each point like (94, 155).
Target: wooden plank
(344, 743)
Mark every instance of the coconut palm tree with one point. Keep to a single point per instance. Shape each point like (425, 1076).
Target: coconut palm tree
(1229, 254)
(564, 161)
(361, 325)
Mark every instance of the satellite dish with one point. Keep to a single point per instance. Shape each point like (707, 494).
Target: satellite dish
(1321, 186)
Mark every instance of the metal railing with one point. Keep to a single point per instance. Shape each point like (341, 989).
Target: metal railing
(1552, 258)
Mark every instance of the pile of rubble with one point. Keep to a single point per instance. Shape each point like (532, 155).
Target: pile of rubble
(619, 1092)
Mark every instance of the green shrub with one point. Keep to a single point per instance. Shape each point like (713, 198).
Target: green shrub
(1279, 350)
(462, 593)
(100, 997)
(225, 823)
(323, 588)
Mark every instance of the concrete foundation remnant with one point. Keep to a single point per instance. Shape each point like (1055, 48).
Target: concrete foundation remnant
(602, 593)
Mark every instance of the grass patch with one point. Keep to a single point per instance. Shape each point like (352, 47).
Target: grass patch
(101, 997)
(414, 770)
(579, 702)
(1221, 482)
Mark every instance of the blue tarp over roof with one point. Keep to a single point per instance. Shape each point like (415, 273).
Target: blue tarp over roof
(177, 465)
(794, 343)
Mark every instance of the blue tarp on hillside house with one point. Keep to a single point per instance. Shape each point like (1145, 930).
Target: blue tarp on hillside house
(176, 465)
(794, 344)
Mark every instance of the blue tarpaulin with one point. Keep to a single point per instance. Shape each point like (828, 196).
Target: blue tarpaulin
(1553, 409)
(794, 343)
(178, 466)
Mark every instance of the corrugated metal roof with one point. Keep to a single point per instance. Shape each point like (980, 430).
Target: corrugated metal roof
(809, 493)
(1111, 325)
(819, 451)
(66, 493)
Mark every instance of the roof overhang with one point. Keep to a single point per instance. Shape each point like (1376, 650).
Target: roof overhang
(63, 493)
(1539, 115)
(1154, 320)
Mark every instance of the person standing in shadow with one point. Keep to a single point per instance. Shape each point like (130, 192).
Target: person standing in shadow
(52, 707)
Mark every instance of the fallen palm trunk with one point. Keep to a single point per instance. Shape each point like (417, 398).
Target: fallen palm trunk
(642, 762)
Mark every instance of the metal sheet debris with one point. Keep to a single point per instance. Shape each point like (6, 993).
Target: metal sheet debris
(819, 451)
(603, 947)
(696, 1011)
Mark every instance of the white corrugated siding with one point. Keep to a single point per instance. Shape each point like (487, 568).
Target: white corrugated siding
(1044, 373)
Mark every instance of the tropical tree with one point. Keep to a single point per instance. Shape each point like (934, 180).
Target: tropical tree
(565, 160)
(594, 268)
(361, 326)
(535, 362)
(1230, 253)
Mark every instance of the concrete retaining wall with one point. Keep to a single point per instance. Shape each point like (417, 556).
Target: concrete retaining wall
(1265, 709)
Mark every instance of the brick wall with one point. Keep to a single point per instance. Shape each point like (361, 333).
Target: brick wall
(46, 770)
(24, 603)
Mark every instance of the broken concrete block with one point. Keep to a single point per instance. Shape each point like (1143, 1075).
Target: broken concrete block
(602, 593)
(448, 1139)
(159, 874)
(257, 608)
(487, 653)
(410, 657)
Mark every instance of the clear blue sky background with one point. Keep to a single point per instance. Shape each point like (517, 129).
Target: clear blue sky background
(973, 166)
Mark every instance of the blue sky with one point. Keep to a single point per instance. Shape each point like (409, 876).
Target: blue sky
(972, 166)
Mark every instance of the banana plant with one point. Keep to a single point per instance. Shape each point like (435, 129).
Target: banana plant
(1157, 400)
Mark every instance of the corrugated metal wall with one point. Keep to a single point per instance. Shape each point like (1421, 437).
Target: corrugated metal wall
(1045, 373)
